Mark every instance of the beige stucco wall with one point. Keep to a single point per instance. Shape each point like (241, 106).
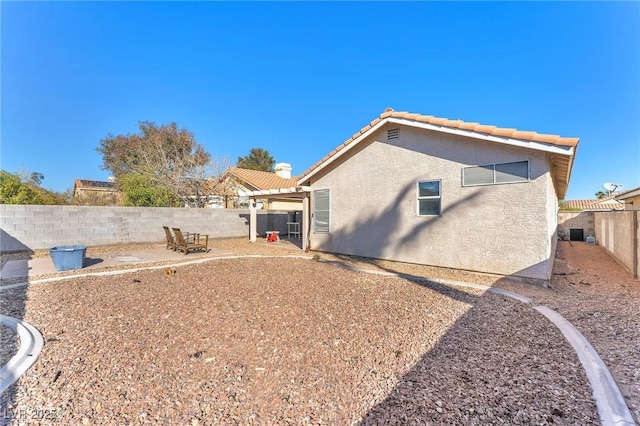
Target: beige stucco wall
(288, 205)
(632, 203)
(506, 229)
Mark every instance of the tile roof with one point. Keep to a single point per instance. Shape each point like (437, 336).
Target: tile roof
(604, 204)
(263, 180)
(473, 129)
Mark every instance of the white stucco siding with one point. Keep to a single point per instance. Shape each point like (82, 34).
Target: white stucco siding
(502, 229)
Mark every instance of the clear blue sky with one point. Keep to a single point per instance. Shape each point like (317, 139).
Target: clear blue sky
(297, 79)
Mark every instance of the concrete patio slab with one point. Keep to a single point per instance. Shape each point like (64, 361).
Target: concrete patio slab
(44, 265)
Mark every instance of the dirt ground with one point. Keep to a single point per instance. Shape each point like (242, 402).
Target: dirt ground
(292, 341)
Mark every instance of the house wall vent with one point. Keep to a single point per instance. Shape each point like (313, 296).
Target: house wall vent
(393, 134)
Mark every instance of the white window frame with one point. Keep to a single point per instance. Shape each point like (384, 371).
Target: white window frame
(429, 197)
(316, 228)
(528, 178)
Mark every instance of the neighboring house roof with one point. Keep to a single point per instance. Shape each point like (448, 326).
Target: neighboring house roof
(604, 204)
(562, 149)
(205, 188)
(260, 180)
(94, 185)
(628, 194)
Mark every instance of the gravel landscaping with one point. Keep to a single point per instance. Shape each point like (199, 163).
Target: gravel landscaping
(294, 341)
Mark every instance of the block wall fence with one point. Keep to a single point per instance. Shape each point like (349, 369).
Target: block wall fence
(31, 227)
(580, 220)
(618, 232)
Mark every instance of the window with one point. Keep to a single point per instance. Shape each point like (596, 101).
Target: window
(493, 174)
(429, 198)
(321, 205)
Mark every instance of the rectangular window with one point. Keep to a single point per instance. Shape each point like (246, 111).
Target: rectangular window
(492, 174)
(429, 197)
(321, 204)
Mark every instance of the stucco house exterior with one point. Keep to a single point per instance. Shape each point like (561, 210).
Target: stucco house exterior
(630, 199)
(447, 193)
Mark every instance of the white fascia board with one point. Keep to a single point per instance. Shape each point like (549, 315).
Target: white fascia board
(499, 139)
(628, 194)
(291, 190)
(344, 150)
(569, 151)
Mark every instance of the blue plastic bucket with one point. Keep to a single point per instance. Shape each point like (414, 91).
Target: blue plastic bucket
(68, 257)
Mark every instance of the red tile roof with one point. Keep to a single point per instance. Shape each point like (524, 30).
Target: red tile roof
(262, 180)
(564, 166)
(605, 204)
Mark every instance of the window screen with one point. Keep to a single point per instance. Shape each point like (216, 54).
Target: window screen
(321, 211)
(429, 198)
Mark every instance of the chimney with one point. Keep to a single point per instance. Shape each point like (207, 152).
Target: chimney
(283, 170)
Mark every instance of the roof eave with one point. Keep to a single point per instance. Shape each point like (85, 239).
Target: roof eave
(628, 194)
(344, 150)
(553, 149)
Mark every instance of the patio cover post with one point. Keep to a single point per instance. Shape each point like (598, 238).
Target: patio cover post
(253, 219)
(306, 221)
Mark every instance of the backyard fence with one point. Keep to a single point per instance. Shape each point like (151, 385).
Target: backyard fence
(31, 227)
(618, 232)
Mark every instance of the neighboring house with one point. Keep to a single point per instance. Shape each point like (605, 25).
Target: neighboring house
(448, 193)
(264, 186)
(576, 220)
(96, 192)
(630, 199)
(202, 194)
(596, 205)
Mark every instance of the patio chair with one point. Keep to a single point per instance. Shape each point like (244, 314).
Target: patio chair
(171, 242)
(193, 242)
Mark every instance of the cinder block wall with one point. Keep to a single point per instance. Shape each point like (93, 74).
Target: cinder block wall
(579, 220)
(30, 227)
(619, 234)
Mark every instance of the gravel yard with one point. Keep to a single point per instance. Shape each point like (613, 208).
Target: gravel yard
(292, 341)
(598, 296)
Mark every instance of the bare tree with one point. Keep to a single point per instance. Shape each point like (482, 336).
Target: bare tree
(166, 155)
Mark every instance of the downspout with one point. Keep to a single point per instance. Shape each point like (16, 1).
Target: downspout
(635, 243)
